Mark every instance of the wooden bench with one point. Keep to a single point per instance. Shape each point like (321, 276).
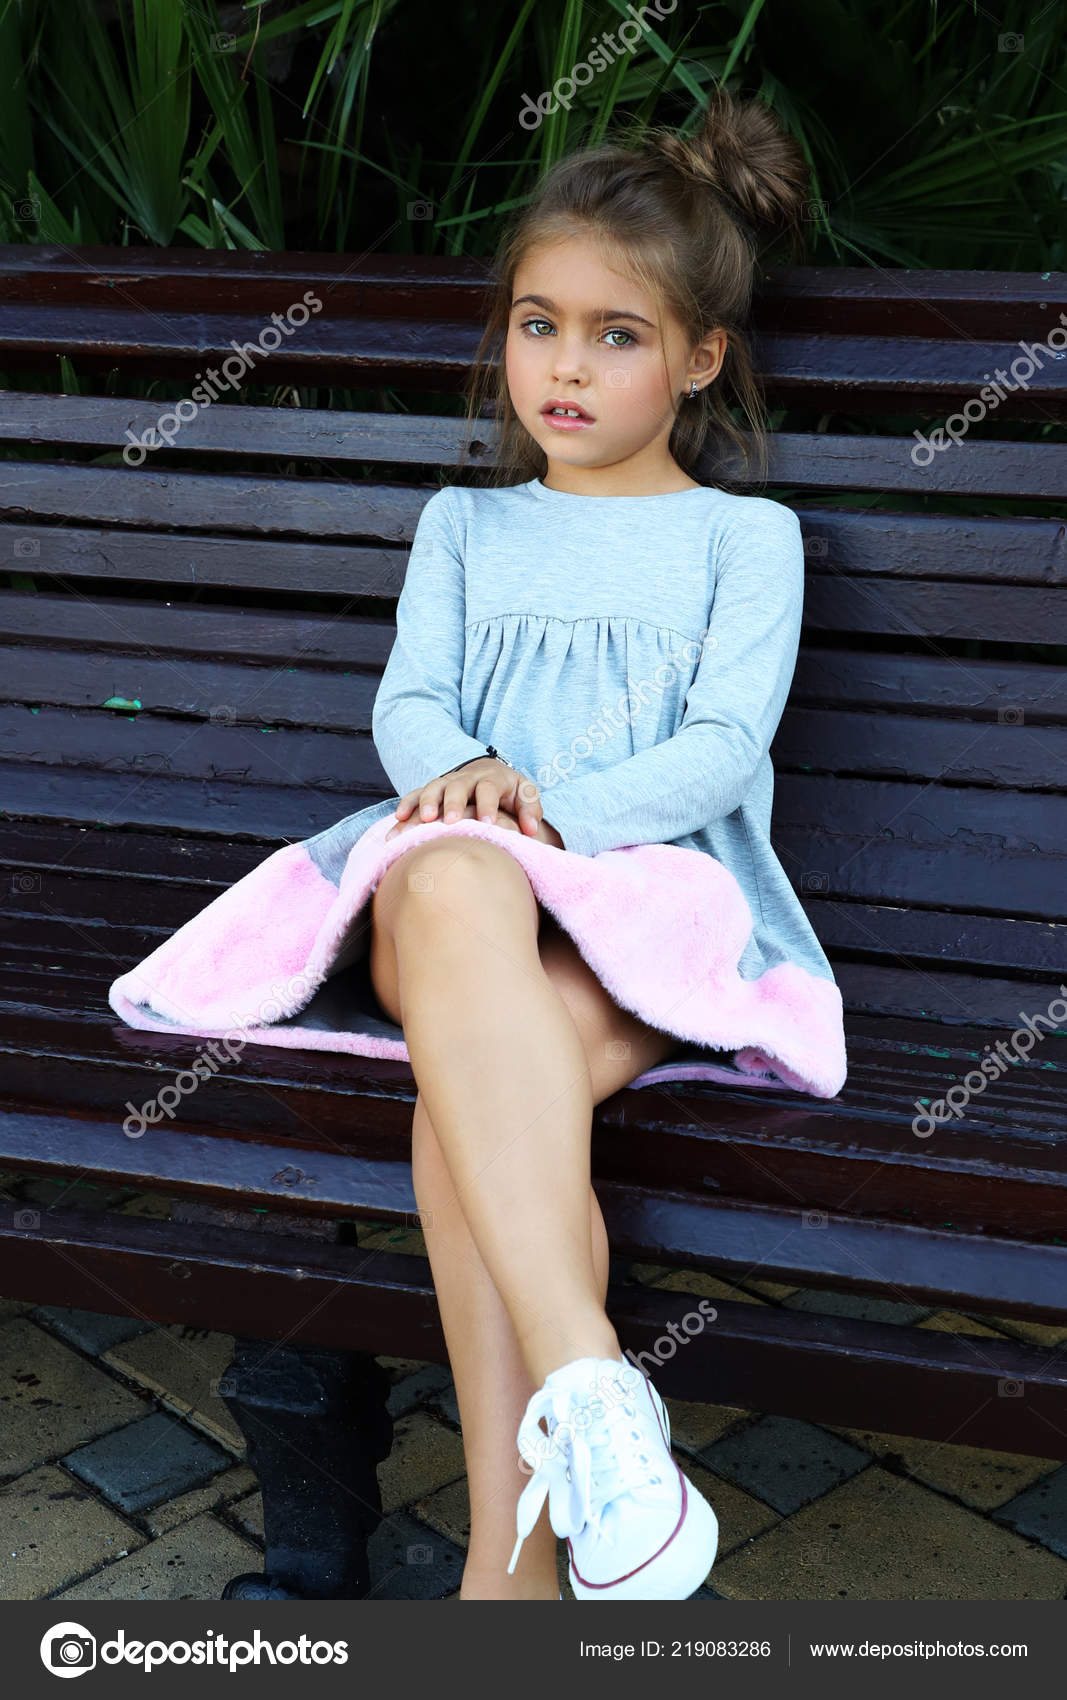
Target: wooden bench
(191, 653)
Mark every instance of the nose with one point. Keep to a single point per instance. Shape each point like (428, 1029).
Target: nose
(569, 360)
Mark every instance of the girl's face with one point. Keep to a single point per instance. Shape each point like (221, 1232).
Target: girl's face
(583, 335)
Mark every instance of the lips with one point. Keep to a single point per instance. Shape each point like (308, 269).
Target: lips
(556, 402)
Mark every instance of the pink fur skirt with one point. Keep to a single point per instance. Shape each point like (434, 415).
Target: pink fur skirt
(281, 956)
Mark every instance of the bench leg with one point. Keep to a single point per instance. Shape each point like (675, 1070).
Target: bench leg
(316, 1424)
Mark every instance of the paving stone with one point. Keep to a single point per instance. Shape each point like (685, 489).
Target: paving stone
(54, 1531)
(425, 1455)
(1033, 1333)
(51, 1399)
(958, 1322)
(194, 1562)
(783, 1461)
(417, 1388)
(59, 1192)
(1041, 1511)
(248, 1515)
(860, 1305)
(705, 1286)
(741, 1517)
(410, 1562)
(646, 1273)
(695, 1425)
(883, 1537)
(406, 1238)
(217, 1494)
(446, 1402)
(776, 1291)
(409, 1478)
(448, 1511)
(147, 1461)
(397, 1368)
(184, 1366)
(981, 1478)
(91, 1330)
(154, 1204)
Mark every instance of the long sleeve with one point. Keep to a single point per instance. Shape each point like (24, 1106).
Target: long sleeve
(415, 721)
(732, 708)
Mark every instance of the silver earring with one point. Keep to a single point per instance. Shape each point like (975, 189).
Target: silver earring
(693, 389)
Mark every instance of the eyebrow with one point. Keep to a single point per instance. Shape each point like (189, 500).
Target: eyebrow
(595, 315)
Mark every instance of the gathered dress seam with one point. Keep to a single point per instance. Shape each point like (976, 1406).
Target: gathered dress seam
(581, 619)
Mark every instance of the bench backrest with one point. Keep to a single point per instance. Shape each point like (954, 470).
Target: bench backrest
(192, 646)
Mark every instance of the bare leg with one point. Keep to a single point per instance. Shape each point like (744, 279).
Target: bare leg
(503, 1073)
(491, 1380)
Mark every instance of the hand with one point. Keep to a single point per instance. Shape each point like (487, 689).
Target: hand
(546, 833)
(490, 784)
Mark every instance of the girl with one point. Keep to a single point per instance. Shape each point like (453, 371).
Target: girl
(591, 900)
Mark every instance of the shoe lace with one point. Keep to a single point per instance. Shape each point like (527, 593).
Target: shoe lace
(582, 1474)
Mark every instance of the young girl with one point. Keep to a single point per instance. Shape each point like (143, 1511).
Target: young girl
(589, 901)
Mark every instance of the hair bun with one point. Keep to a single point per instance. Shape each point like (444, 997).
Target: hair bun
(742, 151)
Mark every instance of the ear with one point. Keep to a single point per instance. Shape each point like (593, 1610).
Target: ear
(707, 358)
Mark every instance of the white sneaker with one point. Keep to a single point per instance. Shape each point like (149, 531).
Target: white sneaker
(636, 1527)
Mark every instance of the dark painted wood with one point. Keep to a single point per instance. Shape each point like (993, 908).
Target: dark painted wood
(761, 1357)
(240, 588)
(825, 338)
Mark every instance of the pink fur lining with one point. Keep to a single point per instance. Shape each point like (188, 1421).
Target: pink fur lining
(662, 927)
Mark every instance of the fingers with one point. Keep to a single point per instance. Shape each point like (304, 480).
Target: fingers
(493, 798)
(456, 798)
(528, 807)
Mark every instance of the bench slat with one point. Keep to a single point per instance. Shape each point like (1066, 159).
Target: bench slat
(965, 848)
(31, 791)
(53, 850)
(802, 460)
(104, 873)
(229, 563)
(918, 1260)
(758, 1356)
(839, 373)
(136, 891)
(946, 684)
(887, 983)
(255, 637)
(235, 697)
(952, 303)
(1012, 1137)
(238, 707)
(260, 505)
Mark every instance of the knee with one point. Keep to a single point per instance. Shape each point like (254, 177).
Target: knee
(456, 875)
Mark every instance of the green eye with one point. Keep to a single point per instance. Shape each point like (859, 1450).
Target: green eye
(527, 328)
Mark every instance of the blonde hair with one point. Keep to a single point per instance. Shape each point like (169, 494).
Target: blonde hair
(688, 218)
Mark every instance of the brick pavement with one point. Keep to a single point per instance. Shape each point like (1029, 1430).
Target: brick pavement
(122, 1474)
